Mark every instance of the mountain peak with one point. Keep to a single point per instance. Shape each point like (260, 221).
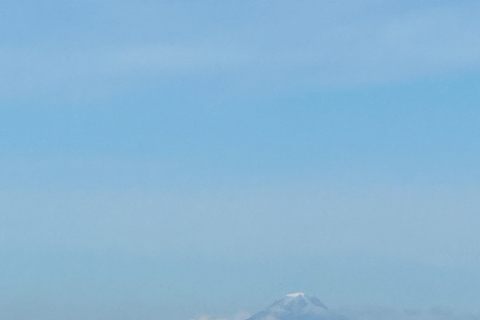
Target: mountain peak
(295, 306)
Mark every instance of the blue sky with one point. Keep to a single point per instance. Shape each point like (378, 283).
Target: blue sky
(172, 159)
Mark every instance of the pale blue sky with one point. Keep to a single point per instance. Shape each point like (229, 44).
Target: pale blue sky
(168, 159)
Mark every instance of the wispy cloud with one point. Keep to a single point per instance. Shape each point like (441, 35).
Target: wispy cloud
(290, 47)
(72, 71)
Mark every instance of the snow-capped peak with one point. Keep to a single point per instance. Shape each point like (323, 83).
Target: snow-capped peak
(299, 303)
(295, 306)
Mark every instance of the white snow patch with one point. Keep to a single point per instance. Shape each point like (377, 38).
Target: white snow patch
(294, 295)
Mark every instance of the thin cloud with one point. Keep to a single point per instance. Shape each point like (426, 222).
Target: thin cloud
(315, 51)
(67, 71)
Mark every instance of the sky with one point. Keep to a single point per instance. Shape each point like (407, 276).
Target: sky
(186, 160)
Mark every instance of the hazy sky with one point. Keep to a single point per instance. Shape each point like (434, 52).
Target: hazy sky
(172, 159)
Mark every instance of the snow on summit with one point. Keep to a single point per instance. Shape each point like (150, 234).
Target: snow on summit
(296, 294)
(297, 306)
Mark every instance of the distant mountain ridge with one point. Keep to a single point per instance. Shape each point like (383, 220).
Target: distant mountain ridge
(297, 306)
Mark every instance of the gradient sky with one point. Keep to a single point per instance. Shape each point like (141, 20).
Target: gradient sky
(172, 159)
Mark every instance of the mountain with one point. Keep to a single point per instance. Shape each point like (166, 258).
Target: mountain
(297, 306)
